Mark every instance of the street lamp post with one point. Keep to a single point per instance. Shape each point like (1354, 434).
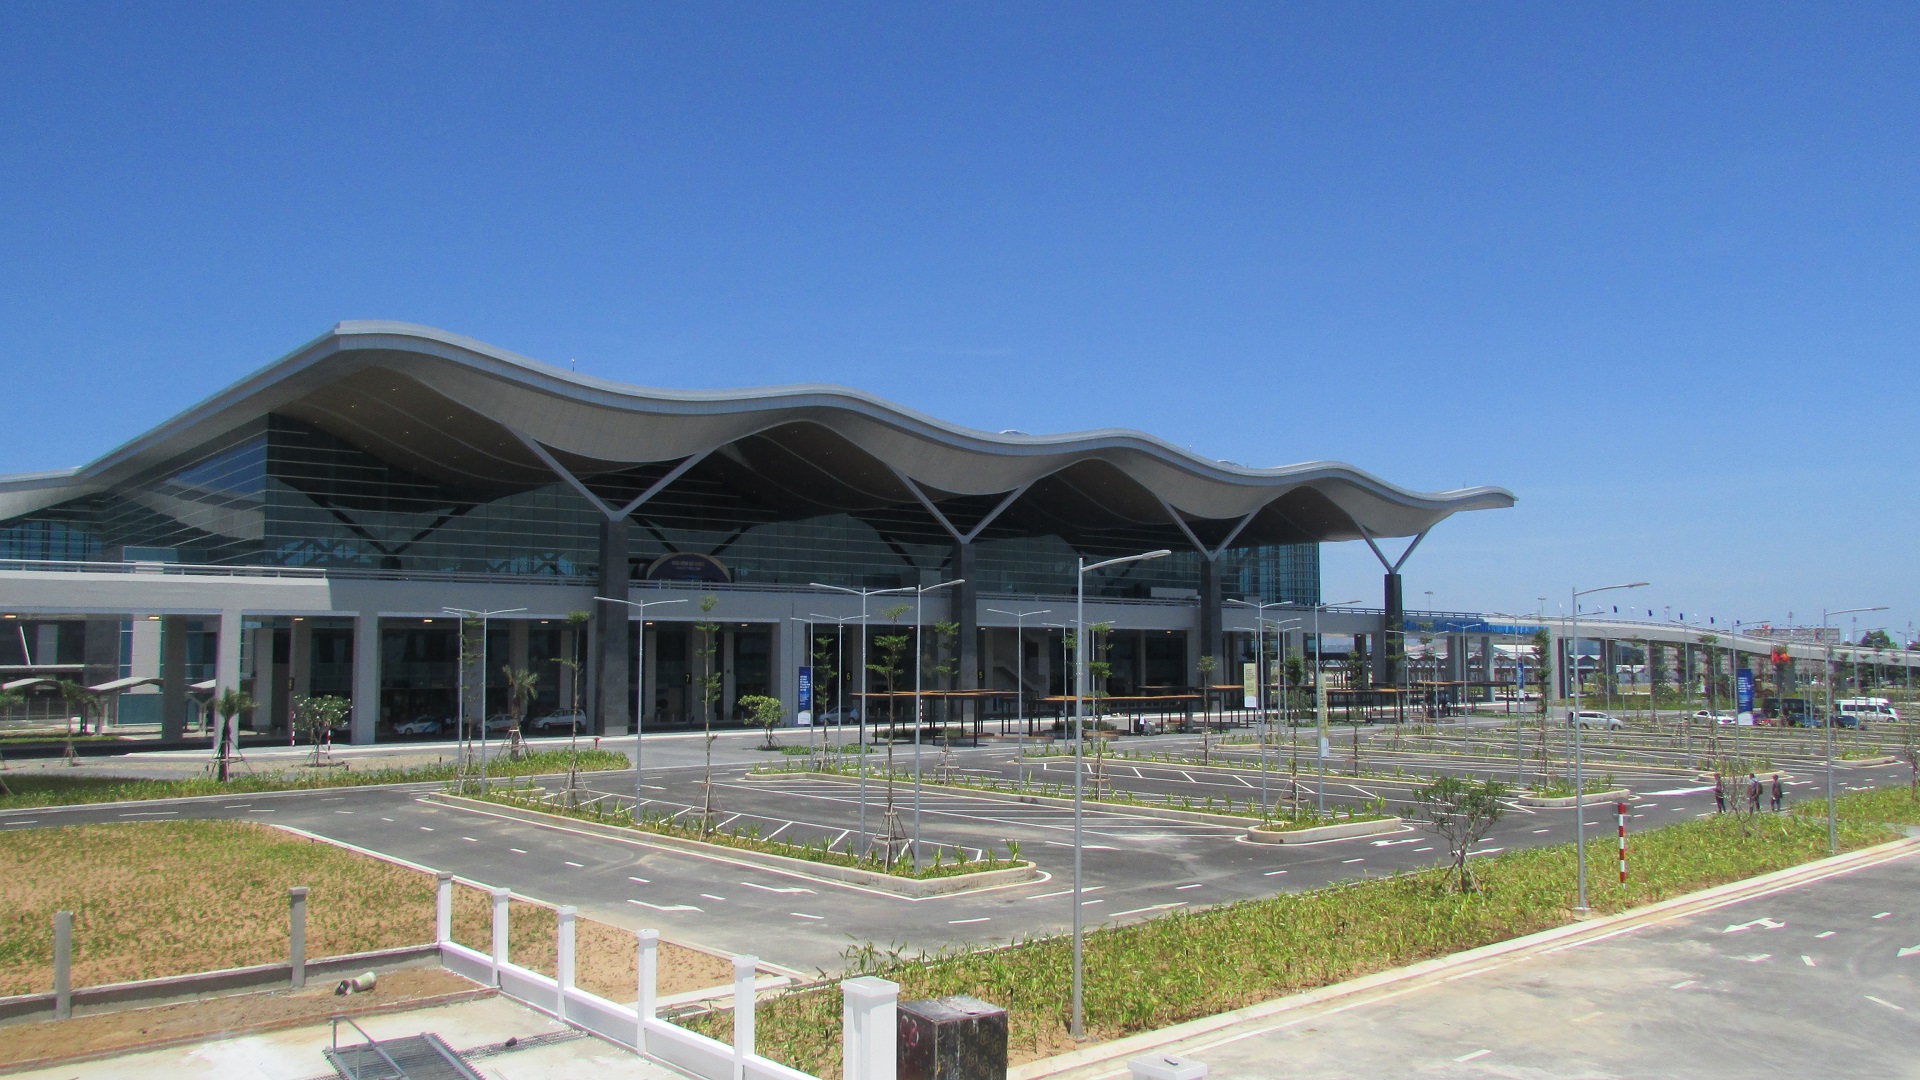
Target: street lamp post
(1079, 1026)
(1320, 706)
(1260, 683)
(840, 663)
(1579, 782)
(919, 721)
(862, 726)
(639, 685)
(468, 613)
(1020, 678)
(1833, 825)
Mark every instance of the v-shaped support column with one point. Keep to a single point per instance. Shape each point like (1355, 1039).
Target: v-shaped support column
(1388, 658)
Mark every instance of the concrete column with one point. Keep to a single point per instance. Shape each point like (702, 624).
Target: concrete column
(1386, 670)
(226, 663)
(443, 906)
(62, 965)
(144, 658)
(1209, 622)
(729, 691)
(173, 677)
(102, 652)
(501, 898)
(611, 696)
(789, 655)
(268, 696)
(366, 677)
(297, 934)
(517, 648)
(964, 611)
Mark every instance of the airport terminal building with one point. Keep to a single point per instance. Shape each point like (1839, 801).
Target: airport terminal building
(309, 530)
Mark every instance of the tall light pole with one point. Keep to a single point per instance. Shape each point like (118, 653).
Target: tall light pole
(639, 684)
(1079, 1026)
(840, 662)
(1579, 777)
(1260, 682)
(1020, 678)
(1833, 825)
(469, 613)
(1320, 704)
(863, 594)
(919, 659)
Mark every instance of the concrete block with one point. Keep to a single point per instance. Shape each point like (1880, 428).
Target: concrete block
(1164, 1067)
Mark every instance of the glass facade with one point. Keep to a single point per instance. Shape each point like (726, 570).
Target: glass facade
(285, 493)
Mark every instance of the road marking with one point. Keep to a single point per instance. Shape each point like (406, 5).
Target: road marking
(517, 851)
(29, 821)
(1271, 873)
(1826, 934)
(470, 839)
(1418, 850)
(1882, 915)
(765, 888)
(1391, 843)
(1756, 959)
(343, 811)
(577, 866)
(1195, 885)
(964, 922)
(1537, 832)
(1486, 851)
(259, 811)
(663, 907)
(426, 828)
(1156, 907)
(1763, 922)
(1066, 892)
(1348, 862)
(152, 813)
(1584, 1019)
(710, 896)
(1807, 960)
(1475, 1054)
(386, 819)
(804, 915)
(641, 880)
(1090, 903)
(1888, 1004)
(1906, 952)
(1682, 984)
(235, 805)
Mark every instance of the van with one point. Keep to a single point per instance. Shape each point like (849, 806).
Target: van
(1850, 712)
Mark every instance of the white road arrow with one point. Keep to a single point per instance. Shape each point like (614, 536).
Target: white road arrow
(1390, 843)
(1767, 924)
(1909, 951)
(666, 907)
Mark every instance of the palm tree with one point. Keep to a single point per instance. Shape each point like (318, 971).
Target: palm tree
(230, 704)
(521, 686)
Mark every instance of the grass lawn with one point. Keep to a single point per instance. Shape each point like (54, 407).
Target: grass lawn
(152, 899)
(31, 789)
(1188, 965)
(1889, 805)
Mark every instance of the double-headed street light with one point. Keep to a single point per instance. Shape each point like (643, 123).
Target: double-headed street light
(1260, 679)
(1020, 678)
(863, 594)
(639, 685)
(919, 722)
(1079, 1026)
(1833, 826)
(1579, 781)
(469, 613)
(1320, 703)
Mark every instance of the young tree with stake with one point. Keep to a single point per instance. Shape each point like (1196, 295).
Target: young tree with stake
(1461, 812)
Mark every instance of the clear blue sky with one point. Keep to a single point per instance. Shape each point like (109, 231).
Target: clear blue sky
(1652, 267)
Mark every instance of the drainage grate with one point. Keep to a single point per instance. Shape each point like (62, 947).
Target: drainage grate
(412, 1057)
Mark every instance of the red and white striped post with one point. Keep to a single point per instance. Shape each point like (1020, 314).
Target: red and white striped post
(1622, 809)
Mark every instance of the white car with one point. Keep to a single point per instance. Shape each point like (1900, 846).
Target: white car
(561, 720)
(422, 725)
(1591, 719)
(1705, 716)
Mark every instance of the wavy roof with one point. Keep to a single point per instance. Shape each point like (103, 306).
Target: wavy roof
(468, 414)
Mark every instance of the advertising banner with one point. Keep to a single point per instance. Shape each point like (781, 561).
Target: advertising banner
(1249, 676)
(1743, 693)
(806, 688)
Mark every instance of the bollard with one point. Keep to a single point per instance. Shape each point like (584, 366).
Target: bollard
(442, 907)
(743, 969)
(563, 955)
(869, 1013)
(952, 1038)
(297, 934)
(1166, 1067)
(62, 965)
(649, 968)
(500, 897)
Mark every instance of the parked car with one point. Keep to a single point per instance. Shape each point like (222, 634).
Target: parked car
(839, 714)
(1592, 719)
(423, 725)
(561, 720)
(1705, 716)
(499, 723)
(1866, 711)
(1810, 718)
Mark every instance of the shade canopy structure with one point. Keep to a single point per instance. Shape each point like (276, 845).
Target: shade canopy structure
(484, 422)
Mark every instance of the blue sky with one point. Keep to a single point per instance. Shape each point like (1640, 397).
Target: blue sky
(1652, 267)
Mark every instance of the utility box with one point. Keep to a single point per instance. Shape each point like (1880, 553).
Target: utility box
(951, 1038)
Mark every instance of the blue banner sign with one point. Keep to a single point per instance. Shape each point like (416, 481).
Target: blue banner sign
(1743, 693)
(806, 688)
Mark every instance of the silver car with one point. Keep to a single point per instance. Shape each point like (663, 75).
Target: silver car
(1592, 719)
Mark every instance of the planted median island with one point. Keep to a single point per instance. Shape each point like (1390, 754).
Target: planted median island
(1183, 966)
(19, 790)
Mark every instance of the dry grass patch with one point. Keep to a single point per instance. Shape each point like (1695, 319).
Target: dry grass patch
(152, 899)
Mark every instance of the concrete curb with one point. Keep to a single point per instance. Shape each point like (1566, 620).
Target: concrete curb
(1340, 831)
(1431, 970)
(1201, 817)
(1591, 798)
(905, 888)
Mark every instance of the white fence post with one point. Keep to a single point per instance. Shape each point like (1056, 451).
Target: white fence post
(869, 1015)
(563, 955)
(442, 907)
(649, 969)
(500, 897)
(743, 969)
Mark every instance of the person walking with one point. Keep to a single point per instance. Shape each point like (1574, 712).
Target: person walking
(1778, 794)
(1753, 793)
(1719, 794)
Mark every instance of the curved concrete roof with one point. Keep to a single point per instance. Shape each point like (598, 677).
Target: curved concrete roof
(458, 409)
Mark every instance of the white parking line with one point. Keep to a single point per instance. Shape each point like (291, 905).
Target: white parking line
(1195, 885)
(710, 896)
(1345, 862)
(1472, 1056)
(1883, 915)
(1825, 934)
(426, 828)
(664, 907)
(641, 880)
(963, 922)
(1682, 984)
(577, 866)
(804, 915)
(1888, 1004)
(766, 888)
(1066, 892)
(1155, 907)
(1271, 873)
(517, 851)
(1807, 960)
